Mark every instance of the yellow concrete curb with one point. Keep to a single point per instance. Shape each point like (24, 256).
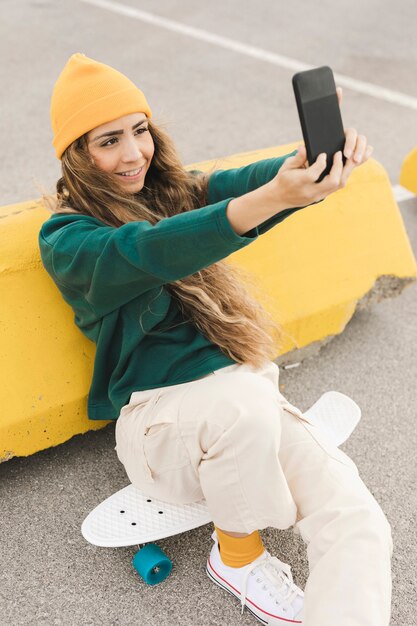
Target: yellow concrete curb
(408, 175)
(313, 268)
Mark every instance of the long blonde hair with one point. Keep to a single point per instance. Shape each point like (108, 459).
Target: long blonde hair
(215, 298)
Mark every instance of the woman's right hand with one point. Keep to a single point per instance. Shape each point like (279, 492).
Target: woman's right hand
(295, 183)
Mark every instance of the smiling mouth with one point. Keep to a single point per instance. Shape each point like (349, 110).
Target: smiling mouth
(131, 173)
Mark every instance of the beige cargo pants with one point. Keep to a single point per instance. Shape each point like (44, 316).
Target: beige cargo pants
(232, 438)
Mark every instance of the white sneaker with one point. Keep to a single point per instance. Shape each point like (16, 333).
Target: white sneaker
(265, 587)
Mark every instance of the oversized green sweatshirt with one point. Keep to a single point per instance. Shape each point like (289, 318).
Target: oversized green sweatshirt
(113, 278)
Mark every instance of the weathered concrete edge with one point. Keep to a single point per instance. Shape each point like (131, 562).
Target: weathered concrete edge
(386, 286)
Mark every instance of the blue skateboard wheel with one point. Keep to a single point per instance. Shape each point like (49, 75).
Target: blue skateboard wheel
(152, 564)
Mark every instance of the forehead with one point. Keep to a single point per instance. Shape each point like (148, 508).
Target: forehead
(126, 121)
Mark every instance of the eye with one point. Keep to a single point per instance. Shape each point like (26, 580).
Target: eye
(140, 131)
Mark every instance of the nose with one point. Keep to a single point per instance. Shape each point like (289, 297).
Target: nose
(131, 150)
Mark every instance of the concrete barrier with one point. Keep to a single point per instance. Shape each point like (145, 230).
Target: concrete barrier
(315, 269)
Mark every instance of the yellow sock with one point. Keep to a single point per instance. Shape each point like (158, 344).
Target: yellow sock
(239, 551)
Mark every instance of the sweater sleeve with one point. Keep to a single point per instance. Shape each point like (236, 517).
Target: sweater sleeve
(237, 181)
(110, 266)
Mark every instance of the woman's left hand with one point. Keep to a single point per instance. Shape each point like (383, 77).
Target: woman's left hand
(356, 149)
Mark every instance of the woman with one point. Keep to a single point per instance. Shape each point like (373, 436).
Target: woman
(184, 354)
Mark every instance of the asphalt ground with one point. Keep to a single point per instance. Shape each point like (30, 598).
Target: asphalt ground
(218, 98)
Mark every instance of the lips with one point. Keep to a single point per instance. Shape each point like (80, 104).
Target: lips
(132, 178)
(137, 172)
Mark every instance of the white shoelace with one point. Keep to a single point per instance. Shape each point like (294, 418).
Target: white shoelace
(272, 571)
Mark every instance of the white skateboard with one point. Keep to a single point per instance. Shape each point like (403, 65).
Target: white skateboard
(130, 517)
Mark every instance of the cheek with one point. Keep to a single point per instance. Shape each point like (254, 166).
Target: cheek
(103, 161)
(151, 148)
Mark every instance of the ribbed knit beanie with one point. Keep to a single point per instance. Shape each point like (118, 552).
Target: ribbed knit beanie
(87, 94)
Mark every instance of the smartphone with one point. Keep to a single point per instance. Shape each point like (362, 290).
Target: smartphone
(319, 113)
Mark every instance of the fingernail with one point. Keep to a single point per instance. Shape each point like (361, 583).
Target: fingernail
(358, 157)
(348, 154)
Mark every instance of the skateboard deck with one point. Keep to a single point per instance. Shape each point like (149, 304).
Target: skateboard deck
(336, 414)
(130, 517)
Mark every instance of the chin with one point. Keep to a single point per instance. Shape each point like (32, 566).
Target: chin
(138, 187)
(133, 188)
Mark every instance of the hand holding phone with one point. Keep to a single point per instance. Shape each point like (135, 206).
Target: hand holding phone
(295, 186)
(296, 183)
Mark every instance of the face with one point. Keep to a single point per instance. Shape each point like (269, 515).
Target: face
(127, 146)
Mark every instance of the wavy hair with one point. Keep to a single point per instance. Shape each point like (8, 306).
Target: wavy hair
(215, 299)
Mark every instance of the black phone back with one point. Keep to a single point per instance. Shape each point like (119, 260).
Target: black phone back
(319, 113)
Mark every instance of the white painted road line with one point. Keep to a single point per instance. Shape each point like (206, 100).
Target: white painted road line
(401, 193)
(381, 93)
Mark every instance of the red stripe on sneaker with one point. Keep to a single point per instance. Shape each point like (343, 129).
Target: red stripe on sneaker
(287, 621)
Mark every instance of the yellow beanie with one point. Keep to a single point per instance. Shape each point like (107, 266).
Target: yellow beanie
(87, 94)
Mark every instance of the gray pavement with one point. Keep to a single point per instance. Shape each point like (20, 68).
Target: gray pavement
(216, 102)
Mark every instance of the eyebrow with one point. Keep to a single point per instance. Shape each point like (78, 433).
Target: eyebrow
(117, 132)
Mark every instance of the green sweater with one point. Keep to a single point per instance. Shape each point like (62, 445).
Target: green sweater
(112, 276)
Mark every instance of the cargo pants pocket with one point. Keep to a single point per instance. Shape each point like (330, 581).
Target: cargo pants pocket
(162, 447)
